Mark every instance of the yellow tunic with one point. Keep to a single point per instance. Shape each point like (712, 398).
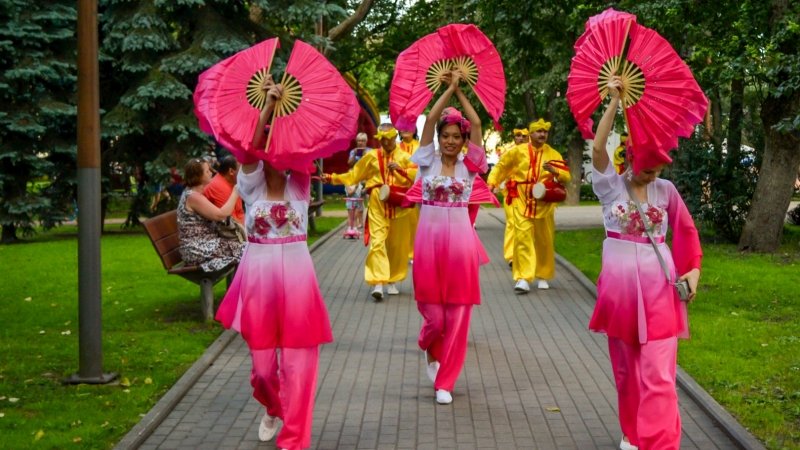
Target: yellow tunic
(533, 221)
(411, 148)
(387, 258)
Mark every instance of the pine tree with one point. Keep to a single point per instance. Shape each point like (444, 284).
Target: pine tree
(37, 115)
(153, 52)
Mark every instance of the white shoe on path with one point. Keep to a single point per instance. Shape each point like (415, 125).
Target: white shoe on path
(443, 397)
(522, 287)
(377, 292)
(391, 289)
(267, 428)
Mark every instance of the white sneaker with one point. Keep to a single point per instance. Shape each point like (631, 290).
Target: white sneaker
(267, 428)
(377, 292)
(625, 445)
(522, 287)
(543, 284)
(431, 368)
(443, 397)
(391, 289)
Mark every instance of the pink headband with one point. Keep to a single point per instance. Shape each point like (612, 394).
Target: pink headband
(451, 116)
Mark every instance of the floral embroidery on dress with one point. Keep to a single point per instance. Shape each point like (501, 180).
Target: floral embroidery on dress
(446, 189)
(276, 219)
(632, 223)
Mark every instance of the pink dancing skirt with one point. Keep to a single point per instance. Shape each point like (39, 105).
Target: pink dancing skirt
(447, 254)
(634, 301)
(274, 300)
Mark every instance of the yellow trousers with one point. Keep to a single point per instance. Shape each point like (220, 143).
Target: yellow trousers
(412, 229)
(387, 258)
(534, 250)
(508, 235)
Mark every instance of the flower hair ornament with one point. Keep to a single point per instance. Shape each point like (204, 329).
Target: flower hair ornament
(451, 116)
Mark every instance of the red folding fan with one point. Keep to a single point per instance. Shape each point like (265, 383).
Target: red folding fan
(418, 70)
(660, 98)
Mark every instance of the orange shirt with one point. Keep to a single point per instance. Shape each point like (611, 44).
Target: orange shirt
(218, 191)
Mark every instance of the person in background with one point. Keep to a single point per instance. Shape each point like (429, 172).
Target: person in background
(200, 244)
(387, 225)
(534, 221)
(223, 184)
(409, 144)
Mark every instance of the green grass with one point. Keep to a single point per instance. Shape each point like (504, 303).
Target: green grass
(745, 345)
(152, 332)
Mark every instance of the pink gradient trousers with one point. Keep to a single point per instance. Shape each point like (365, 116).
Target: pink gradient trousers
(443, 335)
(648, 401)
(285, 381)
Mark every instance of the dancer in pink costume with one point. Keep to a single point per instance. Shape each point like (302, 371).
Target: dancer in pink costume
(274, 300)
(637, 307)
(447, 250)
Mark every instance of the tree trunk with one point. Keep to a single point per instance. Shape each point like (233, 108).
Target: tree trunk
(734, 157)
(9, 235)
(575, 150)
(763, 228)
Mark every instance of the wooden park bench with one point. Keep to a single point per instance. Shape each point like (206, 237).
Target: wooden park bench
(163, 233)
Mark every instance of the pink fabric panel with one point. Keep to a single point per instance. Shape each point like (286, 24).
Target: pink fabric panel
(648, 401)
(475, 159)
(288, 388)
(443, 334)
(634, 301)
(276, 295)
(446, 257)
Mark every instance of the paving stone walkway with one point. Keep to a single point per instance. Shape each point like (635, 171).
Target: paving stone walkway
(534, 378)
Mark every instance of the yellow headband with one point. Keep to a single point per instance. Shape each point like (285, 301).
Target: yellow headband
(390, 133)
(523, 131)
(539, 125)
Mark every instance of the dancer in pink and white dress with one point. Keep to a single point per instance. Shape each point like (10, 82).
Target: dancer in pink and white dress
(637, 308)
(447, 250)
(274, 300)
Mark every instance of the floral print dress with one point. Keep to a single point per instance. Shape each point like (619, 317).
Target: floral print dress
(200, 243)
(274, 300)
(447, 251)
(635, 302)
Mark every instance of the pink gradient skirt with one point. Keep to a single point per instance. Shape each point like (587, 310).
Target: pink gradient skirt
(274, 300)
(447, 255)
(634, 301)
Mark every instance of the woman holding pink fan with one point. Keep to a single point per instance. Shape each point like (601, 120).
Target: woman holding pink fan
(446, 248)
(637, 305)
(274, 300)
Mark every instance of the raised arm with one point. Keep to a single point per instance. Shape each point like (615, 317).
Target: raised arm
(475, 134)
(600, 158)
(274, 92)
(202, 206)
(435, 113)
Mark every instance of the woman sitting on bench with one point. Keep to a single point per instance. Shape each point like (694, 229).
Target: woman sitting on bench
(200, 244)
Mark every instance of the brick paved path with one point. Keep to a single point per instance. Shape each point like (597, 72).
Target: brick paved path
(534, 378)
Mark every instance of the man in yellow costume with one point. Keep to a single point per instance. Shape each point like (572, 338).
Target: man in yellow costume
(387, 258)
(409, 144)
(534, 221)
(520, 137)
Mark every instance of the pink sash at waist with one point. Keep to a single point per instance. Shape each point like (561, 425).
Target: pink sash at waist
(631, 238)
(279, 240)
(445, 204)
